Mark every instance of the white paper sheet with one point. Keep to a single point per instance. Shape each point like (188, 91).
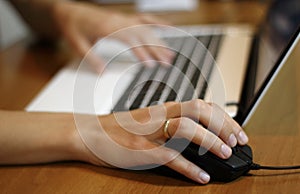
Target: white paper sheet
(166, 5)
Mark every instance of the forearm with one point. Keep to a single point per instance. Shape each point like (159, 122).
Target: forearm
(39, 15)
(37, 138)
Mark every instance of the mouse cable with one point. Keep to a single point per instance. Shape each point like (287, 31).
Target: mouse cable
(258, 167)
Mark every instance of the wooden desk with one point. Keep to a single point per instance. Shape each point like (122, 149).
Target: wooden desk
(24, 70)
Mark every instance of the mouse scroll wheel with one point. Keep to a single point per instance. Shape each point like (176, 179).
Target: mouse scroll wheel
(235, 150)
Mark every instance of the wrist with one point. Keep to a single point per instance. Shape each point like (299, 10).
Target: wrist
(77, 150)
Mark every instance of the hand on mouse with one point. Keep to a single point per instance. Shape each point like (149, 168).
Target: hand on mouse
(124, 139)
(137, 138)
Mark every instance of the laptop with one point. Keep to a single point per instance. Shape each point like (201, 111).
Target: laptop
(237, 63)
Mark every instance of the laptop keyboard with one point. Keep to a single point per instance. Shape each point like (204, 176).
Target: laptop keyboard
(184, 80)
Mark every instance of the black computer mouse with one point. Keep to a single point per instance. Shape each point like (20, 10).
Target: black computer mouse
(220, 170)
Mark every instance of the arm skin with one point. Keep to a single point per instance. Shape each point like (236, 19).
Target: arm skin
(30, 138)
(27, 138)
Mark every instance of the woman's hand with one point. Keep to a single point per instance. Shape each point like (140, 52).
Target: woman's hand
(131, 140)
(82, 24)
(137, 138)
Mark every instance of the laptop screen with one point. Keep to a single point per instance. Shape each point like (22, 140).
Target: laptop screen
(281, 23)
(274, 37)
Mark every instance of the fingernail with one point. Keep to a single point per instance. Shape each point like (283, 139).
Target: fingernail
(243, 137)
(204, 177)
(232, 141)
(226, 151)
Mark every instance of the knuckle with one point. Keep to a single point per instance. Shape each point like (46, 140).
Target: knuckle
(184, 122)
(198, 105)
(181, 123)
(212, 104)
(189, 169)
(171, 104)
(185, 128)
(210, 138)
